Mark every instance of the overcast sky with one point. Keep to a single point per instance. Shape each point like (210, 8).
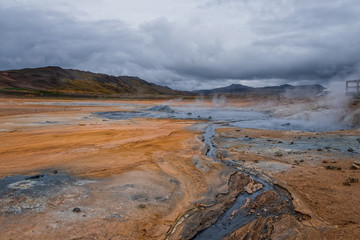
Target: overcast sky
(187, 44)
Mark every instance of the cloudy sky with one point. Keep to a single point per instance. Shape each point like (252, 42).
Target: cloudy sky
(187, 44)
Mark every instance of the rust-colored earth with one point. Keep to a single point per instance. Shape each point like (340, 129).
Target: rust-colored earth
(133, 178)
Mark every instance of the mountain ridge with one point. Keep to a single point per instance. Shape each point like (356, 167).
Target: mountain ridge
(287, 89)
(54, 80)
(58, 81)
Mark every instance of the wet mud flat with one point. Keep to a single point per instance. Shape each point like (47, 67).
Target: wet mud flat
(49, 205)
(30, 194)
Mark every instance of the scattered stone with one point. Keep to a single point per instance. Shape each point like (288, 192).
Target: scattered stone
(319, 150)
(357, 163)
(256, 161)
(55, 172)
(76, 210)
(350, 180)
(280, 142)
(141, 206)
(353, 180)
(358, 139)
(291, 143)
(286, 124)
(324, 161)
(328, 167)
(333, 161)
(246, 204)
(302, 160)
(296, 162)
(233, 213)
(278, 154)
(350, 149)
(355, 166)
(253, 187)
(346, 183)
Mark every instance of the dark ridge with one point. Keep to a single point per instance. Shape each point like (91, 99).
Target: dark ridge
(53, 80)
(234, 88)
(285, 90)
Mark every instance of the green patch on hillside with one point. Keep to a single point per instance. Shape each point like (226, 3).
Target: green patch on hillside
(31, 91)
(92, 87)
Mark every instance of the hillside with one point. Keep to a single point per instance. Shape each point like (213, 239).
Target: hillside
(69, 82)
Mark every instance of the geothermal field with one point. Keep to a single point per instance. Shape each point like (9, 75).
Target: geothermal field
(180, 169)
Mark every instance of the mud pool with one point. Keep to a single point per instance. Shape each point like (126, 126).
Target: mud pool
(236, 117)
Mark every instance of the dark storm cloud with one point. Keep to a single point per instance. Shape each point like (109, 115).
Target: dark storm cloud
(45, 38)
(288, 40)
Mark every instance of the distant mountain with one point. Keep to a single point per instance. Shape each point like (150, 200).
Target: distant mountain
(285, 89)
(52, 81)
(234, 88)
(69, 82)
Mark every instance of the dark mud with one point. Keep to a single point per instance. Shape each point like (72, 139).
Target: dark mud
(26, 194)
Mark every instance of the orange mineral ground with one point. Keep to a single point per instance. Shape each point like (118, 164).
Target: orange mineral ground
(66, 173)
(149, 163)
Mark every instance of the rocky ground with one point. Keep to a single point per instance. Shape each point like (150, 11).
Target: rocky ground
(66, 173)
(320, 171)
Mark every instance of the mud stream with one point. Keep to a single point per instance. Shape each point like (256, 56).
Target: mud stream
(236, 215)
